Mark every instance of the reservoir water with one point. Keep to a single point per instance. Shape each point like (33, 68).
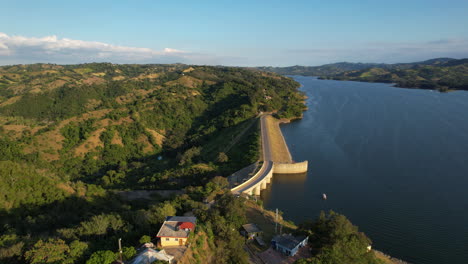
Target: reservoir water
(394, 161)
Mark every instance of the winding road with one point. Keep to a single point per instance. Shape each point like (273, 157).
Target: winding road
(267, 167)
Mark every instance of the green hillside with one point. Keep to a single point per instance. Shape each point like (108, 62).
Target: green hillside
(104, 123)
(72, 136)
(443, 76)
(441, 73)
(326, 69)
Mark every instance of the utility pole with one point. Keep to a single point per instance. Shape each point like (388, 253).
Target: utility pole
(120, 249)
(276, 221)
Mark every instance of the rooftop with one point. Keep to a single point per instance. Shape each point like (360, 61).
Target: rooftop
(191, 219)
(170, 227)
(288, 241)
(149, 255)
(251, 228)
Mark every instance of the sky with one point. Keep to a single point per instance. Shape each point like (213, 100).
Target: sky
(234, 33)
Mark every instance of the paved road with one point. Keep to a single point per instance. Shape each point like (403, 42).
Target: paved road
(265, 139)
(267, 163)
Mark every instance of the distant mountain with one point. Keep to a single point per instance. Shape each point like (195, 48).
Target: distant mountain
(440, 73)
(433, 61)
(437, 74)
(326, 69)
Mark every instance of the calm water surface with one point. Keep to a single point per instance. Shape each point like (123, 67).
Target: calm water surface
(394, 161)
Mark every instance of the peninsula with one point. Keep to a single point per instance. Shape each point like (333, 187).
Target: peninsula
(441, 74)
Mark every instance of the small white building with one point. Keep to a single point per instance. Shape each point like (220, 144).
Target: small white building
(150, 255)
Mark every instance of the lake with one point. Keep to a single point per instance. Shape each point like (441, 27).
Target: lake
(393, 160)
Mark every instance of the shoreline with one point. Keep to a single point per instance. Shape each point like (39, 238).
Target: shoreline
(379, 254)
(388, 259)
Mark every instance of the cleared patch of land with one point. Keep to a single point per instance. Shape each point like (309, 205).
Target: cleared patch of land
(186, 81)
(265, 220)
(158, 137)
(11, 100)
(90, 143)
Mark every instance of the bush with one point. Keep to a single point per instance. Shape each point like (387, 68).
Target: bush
(145, 239)
(102, 257)
(128, 252)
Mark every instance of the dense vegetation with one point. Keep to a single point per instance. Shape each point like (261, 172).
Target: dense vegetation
(442, 74)
(74, 139)
(72, 136)
(131, 125)
(334, 239)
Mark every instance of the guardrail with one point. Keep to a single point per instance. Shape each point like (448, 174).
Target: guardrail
(253, 181)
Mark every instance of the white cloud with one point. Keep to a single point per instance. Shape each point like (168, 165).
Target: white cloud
(20, 49)
(51, 49)
(169, 50)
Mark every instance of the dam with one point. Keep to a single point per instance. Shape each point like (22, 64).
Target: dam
(276, 159)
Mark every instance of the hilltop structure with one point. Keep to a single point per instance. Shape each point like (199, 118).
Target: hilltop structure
(176, 230)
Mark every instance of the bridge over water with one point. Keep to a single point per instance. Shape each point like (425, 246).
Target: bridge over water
(272, 143)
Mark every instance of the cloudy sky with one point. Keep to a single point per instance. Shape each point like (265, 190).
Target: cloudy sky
(244, 33)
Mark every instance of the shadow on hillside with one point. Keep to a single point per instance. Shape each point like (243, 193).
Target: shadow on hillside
(221, 115)
(44, 220)
(63, 219)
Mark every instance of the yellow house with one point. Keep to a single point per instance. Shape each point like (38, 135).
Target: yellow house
(175, 230)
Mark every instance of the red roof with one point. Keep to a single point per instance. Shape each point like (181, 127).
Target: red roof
(186, 225)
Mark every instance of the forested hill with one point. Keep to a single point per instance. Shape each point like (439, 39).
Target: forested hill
(326, 69)
(87, 119)
(441, 73)
(442, 76)
(71, 135)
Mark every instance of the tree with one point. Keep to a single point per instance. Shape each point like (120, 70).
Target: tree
(232, 209)
(215, 186)
(186, 158)
(102, 257)
(10, 246)
(222, 157)
(224, 220)
(101, 224)
(50, 251)
(338, 241)
(77, 248)
(161, 211)
(128, 252)
(56, 251)
(145, 239)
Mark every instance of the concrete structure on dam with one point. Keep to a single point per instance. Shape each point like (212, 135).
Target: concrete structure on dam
(290, 168)
(276, 159)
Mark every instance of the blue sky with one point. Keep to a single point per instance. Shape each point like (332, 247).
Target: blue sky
(277, 33)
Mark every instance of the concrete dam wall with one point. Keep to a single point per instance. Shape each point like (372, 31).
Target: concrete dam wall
(290, 168)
